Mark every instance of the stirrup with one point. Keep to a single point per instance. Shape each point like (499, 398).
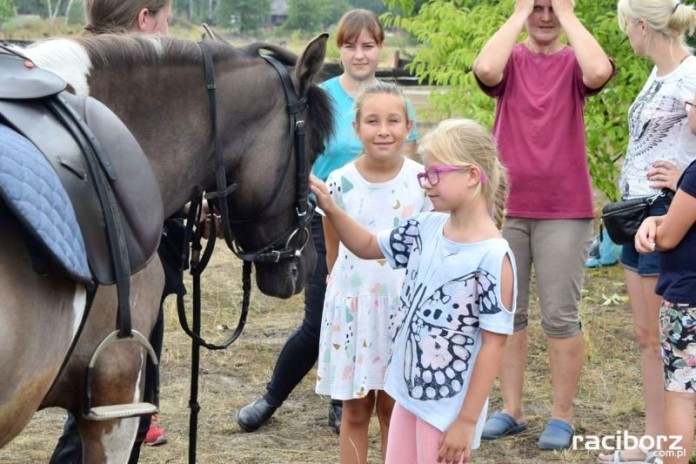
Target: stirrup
(117, 411)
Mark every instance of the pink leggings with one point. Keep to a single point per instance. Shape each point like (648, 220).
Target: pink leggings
(411, 440)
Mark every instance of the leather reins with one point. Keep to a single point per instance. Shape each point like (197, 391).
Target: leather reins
(281, 248)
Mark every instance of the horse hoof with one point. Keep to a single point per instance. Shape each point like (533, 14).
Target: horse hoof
(254, 415)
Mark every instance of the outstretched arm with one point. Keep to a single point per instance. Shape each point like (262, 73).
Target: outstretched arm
(355, 237)
(493, 58)
(595, 64)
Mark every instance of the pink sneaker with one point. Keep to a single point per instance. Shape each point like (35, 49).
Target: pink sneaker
(155, 434)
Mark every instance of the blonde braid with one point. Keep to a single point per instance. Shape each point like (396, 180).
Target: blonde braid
(500, 197)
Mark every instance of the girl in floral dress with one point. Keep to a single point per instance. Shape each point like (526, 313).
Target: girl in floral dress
(378, 189)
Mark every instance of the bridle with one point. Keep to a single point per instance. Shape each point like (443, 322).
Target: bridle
(291, 243)
(288, 245)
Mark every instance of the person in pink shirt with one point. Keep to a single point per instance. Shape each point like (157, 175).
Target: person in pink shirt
(540, 86)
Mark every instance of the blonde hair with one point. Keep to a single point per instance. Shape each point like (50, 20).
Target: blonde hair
(116, 16)
(463, 142)
(669, 17)
(380, 88)
(354, 22)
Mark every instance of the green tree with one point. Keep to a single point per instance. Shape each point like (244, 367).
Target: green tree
(7, 10)
(451, 33)
(244, 16)
(373, 5)
(312, 15)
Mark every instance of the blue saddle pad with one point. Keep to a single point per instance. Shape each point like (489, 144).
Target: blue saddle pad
(32, 190)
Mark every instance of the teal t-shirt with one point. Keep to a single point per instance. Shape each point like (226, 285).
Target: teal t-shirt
(344, 145)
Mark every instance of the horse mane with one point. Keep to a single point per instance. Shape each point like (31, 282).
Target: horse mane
(320, 116)
(281, 54)
(125, 51)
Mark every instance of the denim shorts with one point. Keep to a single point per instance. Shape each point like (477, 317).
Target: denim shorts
(644, 264)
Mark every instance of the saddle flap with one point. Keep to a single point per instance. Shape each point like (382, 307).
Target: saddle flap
(21, 80)
(136, 190)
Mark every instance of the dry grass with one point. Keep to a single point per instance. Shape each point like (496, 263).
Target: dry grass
(609, 397)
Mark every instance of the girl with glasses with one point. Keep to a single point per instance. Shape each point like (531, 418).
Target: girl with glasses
(457, 302)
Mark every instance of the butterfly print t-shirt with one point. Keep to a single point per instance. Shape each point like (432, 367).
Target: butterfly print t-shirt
(451, 292)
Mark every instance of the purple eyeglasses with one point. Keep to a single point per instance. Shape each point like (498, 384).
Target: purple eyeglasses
(433, 174)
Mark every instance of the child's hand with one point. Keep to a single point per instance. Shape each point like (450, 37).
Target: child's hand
(455, 443)
(645, 237)
(320, 191)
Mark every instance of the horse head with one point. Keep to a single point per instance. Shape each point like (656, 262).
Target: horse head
(271, 184)
(253, 127)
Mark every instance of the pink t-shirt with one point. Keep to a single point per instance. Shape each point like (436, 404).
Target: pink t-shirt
(540, 132)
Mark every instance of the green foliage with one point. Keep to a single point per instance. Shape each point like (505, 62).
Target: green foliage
(7, 10)
(32, 7)
(313, 15)
(76, 15)
(243, 16)
(452, 32)
(373, 5)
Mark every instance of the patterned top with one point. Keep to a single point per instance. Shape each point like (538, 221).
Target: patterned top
(658, 129)
(450, 294)
(362, 296)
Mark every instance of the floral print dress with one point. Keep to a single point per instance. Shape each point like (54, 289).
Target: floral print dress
(362, 296)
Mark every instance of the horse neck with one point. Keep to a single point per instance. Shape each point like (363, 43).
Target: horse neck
(168, 113)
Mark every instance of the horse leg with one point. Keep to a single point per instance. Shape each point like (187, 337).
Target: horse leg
(118, 375)
(108, 442)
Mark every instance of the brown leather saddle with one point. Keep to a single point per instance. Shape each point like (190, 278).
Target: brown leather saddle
(65, 127)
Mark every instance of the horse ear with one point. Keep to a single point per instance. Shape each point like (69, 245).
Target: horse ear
(311, 61)
(212, 35)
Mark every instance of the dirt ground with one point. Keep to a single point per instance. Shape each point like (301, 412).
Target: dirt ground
(609, 398)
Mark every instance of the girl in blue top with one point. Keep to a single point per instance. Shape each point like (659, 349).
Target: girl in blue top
(359, 37)
(674, 236)
(457, 302)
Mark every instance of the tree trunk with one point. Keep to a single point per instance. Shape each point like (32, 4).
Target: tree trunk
(67, 11)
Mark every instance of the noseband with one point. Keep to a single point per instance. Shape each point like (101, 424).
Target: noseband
(291, 243)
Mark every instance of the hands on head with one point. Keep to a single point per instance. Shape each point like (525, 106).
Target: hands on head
(560, 7)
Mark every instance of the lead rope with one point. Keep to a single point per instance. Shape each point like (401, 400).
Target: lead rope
(198, 263)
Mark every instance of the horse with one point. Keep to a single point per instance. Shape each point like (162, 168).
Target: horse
(160, 88)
